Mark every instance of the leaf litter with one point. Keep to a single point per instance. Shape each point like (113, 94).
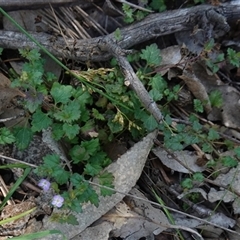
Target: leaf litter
(141, 219)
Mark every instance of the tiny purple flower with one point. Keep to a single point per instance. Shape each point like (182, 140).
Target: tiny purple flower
(57, 201)
(44, 184)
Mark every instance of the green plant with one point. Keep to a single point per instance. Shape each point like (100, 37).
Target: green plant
(158, 5)
(214, 59)
(67, 115)
(102, 102)
(72, 112)
(6, 137)
(216, 99)
(131, 15)
(233, 57)
(199, 1)
(38, 235)
(188, 183)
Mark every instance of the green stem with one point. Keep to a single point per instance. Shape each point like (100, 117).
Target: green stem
(169, 216)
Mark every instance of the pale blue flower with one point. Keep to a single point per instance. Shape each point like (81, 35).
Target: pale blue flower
(44, 184)
(57, 201)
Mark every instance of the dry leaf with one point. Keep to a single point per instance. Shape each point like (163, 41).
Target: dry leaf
(126, 170)
(187, 158)
(229, 113)
(17, 227)
(170, 57)
(25, 18)
(230, 179)
(196, 87)
(4, 81)
(6, 95)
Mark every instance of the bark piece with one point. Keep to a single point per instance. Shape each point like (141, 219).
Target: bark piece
(11, 5)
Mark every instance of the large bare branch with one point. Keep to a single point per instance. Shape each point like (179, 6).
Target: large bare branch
(152, 26)
(13, 5)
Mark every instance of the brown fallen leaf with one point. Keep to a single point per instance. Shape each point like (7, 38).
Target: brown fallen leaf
(196, 87)
(4, 81)
(7, 94)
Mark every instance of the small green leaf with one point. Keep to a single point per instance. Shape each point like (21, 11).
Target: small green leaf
(213, 135)
(69, 112)
(187, 183)
(198, 177)
(93, 197)
(237, 151)
(101, 102)
(91, 169)
(216, 99)
(176, 146)
(190, 139)
(211, 163)
(155, 95)
(158, 5)
(60, 175)
(50, 76)
(180, 127)
(233, 57)
(40, 121)
(207, 148)
(78, 154)
(150, 123)
(220, 57)
(91, 146)
(198, 107)
(106, 179)
(128, 18)
(23, 137)
(228, 161)
(209, 45)
(117, 34)
(57, 131)
(140, 15)
(31, 55)
(70, 219)
(50, 163)
(76, 179)
(173, 142)
(82, 96)
(196, 126)
(97, 114)
(75, 206)
(168, 120)
(71, 130)
(32, 74)
(61, 93)
(158, 83)
(6, 137)
(151, 54)
(51, 160)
